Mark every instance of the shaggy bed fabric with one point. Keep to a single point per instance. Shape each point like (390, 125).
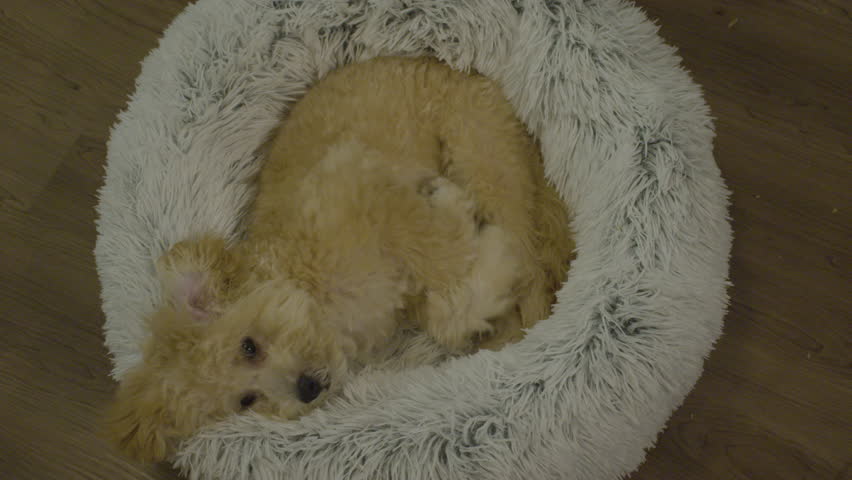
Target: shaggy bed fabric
(626, 138)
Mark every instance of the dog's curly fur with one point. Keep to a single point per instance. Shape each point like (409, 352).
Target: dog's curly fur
(397, 190)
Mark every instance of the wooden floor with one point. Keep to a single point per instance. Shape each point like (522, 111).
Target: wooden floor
(776, 399)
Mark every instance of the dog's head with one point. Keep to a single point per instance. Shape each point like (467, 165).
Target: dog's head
(267, 351)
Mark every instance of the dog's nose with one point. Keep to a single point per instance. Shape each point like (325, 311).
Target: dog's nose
(309, 388)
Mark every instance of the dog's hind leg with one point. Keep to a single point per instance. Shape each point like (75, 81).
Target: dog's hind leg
(486, 150)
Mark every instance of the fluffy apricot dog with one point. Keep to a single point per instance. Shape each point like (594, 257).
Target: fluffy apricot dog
(397, 192)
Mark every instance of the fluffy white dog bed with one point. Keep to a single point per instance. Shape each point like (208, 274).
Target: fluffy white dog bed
(627, 140)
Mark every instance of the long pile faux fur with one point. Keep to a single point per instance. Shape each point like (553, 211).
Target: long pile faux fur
(626, 138)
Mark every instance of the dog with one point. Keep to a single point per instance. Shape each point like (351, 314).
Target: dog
(397, 192)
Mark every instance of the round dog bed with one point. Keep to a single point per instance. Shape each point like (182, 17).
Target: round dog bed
(627, 140)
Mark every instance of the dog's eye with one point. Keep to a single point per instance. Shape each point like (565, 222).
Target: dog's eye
(247, 400)
(249, 348)
(309, 388)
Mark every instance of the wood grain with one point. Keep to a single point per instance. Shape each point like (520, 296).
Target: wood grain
(66, 68)
(775, 399)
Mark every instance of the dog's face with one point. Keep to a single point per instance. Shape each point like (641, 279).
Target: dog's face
(268, 352)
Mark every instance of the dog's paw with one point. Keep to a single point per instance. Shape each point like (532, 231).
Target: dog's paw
(428, 187)
(441, 192)
(465, 334)
(444, 194)
(508, 329)
(450, 321)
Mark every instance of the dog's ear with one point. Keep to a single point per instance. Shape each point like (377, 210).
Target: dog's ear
(138, 422)
(195, 274)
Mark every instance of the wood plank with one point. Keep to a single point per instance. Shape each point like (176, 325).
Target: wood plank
(776, 393)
